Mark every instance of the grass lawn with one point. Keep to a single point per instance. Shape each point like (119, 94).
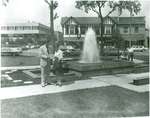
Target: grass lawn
(99, 102)
(8, 61)
(19, 75)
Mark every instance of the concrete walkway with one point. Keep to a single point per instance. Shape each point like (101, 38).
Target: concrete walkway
(125, 80)
(30, 90)
(121, 80)
(19, 67)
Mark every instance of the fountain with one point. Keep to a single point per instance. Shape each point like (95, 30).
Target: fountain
(90, 52)
(90, 59)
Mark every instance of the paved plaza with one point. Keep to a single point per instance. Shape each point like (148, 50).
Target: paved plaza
(106, 95)
(99, 96)
(121, 80)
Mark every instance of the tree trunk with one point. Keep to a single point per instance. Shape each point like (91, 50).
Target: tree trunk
(102, 38)
(52, 26)
(118, 55)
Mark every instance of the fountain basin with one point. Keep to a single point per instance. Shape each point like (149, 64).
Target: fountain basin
(103, 65)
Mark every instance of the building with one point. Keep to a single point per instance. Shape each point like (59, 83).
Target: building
(147, 36)
(132, 29)
(29, 32)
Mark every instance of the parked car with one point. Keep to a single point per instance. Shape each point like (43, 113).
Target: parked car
(32, 46)
(138, 48)
(69, 47)
(71, 52)
(11, 51)
(111, 51)
(37, 46)
(109, 47)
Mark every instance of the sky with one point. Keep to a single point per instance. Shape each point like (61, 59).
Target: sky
(37, 11)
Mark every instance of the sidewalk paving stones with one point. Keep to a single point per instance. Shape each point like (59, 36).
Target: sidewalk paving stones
(15, 81)
(7, 77)
(28, 82)
(23, 91)
(124, 80)
(20, 67)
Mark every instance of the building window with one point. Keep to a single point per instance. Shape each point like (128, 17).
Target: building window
(34, 27)
(125, 29)
(97, 31)
(12, 28)
(72, 28)
(136, 29)
(83, 29)
(107, 30)
(27, 27)
(67, 30)
(3, 28)
(20, 28)
(76, 30)
(8, 28)
(16, 28)
(107, 21)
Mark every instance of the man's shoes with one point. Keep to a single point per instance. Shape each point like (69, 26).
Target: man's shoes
(59, 83)
(52, 83)
(45, 84)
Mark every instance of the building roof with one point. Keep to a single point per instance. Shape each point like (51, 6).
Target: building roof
(82, 20)
(25, 24)
(128, 20)
(96, 20)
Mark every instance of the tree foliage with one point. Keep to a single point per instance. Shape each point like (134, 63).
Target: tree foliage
(97, 6)
(118, 41)
(5, 2)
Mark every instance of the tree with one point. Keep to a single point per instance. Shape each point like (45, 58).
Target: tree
(52, 6)
(98, 6)
(5, 2)
(118, 41)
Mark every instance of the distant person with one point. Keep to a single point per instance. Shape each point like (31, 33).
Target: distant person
(57, 66)
(124, 55)
(45, 62)
(130, 54)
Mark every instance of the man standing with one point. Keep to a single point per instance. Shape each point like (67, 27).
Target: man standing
(130, 54)
(45, 62)
(58, 70)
